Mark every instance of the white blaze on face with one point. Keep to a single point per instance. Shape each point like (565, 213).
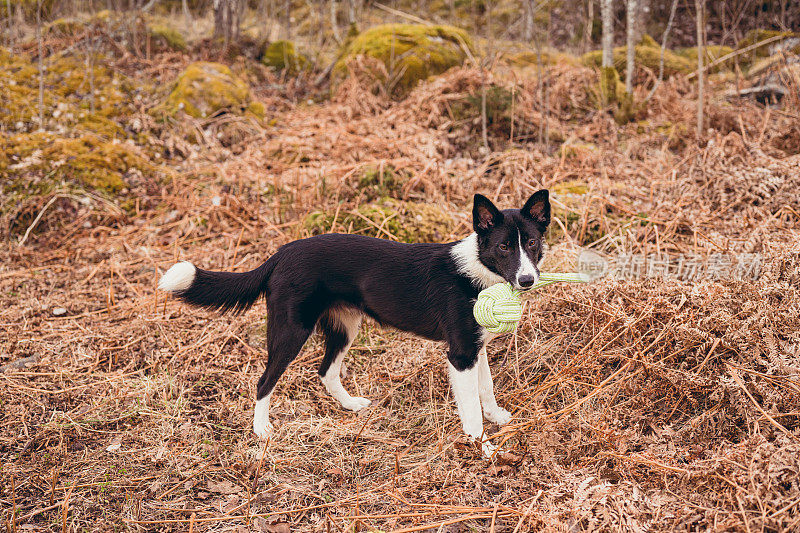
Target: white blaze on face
(526, 266)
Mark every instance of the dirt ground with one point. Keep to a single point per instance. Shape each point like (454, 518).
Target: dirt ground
(644, 404)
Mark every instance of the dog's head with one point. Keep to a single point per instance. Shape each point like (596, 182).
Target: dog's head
(510, 242)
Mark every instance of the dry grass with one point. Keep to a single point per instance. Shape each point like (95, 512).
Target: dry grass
(638, 405)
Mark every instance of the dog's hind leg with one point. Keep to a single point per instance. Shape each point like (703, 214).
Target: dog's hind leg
(285, 338)
(340, 327)
(492, 411)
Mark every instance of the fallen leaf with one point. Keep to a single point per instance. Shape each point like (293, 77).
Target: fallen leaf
(223, 487)
(275, 527)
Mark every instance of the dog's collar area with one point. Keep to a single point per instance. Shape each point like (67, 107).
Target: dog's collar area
(465, 255)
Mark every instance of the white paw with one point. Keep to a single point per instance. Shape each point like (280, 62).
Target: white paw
(499, 416)
(489, 449)
(355, 403)
(263, 429)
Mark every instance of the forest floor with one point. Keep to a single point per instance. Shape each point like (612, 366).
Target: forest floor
(638, 404)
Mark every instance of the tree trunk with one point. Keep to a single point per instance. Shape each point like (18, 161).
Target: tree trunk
(607, 8)
(530, 7)
(10, 25)
(41, 63)
(335, 23)
(608, 74)
(630, 42)
(587, 30)
(227, 17)
(484, 121)
(698, 5)
(287, 20)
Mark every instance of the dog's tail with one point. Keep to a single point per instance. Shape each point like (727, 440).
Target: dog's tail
(223, 291)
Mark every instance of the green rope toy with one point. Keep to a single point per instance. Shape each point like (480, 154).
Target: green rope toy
(499, 307)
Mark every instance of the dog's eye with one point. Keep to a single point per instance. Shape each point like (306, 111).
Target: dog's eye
(503, 246)
(532, 243)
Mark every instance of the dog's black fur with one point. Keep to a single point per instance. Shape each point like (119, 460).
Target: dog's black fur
(420, 288)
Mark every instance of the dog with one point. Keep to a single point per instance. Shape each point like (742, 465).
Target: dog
(329, 282)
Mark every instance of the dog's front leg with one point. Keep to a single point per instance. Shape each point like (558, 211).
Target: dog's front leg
(465, 389)
(492, 411)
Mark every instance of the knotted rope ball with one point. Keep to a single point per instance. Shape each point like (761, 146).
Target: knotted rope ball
(499, 307)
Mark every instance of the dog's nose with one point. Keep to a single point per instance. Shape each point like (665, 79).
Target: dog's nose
(526, 281)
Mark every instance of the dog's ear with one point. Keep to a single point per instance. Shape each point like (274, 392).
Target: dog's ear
(538, 208)
(484, 214)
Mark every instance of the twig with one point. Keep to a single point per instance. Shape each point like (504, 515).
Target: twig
(739, 382)
(19, 363)
(737, 53)
(663, 48)
(402, 14)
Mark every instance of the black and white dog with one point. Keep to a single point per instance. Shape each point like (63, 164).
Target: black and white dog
(331, 281)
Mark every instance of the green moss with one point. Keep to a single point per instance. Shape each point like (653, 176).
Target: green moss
(282, 55)
(711, 53)
(405, 221)
(68, 100)
(38, 160)
(647, 40)
(627, 108)
(381, 182)
(63, 27)
(166, 37)
(549, 57)
(410, 52)
(648, 56)
(756, 36)
(205, 89)
(609, 86)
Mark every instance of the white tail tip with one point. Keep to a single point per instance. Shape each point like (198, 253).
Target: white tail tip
(178, 278)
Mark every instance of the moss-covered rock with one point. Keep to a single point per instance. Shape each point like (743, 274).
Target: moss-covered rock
(756, 36)
(390, 218)
(410, 52)
(549, 57)
(711, 53)
(205, 89)
(647, 40)
(35, 162)
(68, 100)
(66, 26)
(645, 55)
(166, 38)
(380, 182)
(765, 64)
(282, 55)
(610, 88)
